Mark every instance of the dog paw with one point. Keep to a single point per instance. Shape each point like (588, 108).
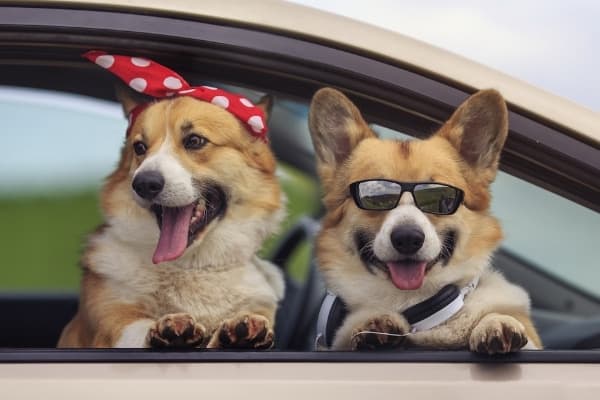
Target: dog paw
(176, 330)
(250, 331)
(497, 334)
(373, 334)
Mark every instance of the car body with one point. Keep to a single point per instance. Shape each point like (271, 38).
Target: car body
(401, 85)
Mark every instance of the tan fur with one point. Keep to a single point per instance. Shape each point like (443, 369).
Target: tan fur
(218, 277)
(469, 164)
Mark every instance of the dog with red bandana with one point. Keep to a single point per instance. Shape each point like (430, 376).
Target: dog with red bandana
(186, 210)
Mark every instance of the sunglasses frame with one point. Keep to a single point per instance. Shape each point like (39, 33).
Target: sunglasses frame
(404, 187)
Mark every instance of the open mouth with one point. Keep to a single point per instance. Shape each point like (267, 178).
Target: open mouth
(408, 273)
(180, 226)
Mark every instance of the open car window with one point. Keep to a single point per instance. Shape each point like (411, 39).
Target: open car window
(51, 179)
(551, 233)
(59, 147)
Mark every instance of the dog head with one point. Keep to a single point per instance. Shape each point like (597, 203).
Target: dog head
(411, 237)
(192, 177)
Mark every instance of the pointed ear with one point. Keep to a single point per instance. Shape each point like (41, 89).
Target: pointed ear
(336, 127)
(128, 98)
(266, 105)
(478, 130)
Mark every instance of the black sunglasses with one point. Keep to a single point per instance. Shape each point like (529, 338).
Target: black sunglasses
(383, 194)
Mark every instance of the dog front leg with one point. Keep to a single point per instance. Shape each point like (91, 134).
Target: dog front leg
(177, 330)
(497, 333)
(368, 330)
(247, 330)
(104, 325)
(119, 325)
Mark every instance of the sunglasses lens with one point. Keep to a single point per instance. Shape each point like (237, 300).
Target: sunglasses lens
(436, 198)
(378, 195)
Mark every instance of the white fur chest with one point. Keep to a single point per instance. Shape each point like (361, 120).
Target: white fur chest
(210, 294)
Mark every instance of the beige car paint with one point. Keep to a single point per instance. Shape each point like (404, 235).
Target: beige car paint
(288, 381)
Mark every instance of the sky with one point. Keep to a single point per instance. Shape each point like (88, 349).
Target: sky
(89, 131)
(551, 44)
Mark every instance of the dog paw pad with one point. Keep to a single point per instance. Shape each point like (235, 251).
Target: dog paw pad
(246, 332)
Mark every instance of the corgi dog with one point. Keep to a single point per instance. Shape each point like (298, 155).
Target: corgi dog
(192, 199)
(408, 223)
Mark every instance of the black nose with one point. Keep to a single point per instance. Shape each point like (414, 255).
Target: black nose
(148, 184)
(407, 239)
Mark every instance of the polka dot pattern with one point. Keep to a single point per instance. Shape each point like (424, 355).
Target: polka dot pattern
(171, 82)
(105, 61)
(245, 102)
(155, 80)
(140, 62)
(220, 101)
(138, 84)
(256, 123)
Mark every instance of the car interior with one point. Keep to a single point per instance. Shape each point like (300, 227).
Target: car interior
(566, 313)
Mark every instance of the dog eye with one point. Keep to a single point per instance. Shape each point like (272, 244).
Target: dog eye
(139, 148)
(194, 142)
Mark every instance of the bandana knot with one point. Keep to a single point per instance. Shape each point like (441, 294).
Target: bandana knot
(155, 80)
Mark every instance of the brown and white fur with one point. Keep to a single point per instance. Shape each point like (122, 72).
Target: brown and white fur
(217, 293)
(463, 153)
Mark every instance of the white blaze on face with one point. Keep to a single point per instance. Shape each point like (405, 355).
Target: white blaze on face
(406, 213)
(179, 190)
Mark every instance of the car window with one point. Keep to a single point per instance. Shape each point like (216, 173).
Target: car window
(551, 232)
(49, 182)
(58, 148)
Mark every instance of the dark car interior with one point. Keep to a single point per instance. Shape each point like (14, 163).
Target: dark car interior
(566, 317)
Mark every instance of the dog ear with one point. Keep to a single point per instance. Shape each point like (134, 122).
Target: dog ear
(266, 105)
(336, 127)
(128, 98)
(478, 130)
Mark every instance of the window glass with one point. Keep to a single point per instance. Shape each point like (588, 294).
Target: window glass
(57, 149)
(551, 232)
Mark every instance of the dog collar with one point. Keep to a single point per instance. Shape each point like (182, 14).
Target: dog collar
(155, 80)
(423, 316)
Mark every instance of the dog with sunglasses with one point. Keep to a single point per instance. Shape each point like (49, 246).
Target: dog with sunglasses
(407, 239)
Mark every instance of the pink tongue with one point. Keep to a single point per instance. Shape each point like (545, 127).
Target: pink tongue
(407, 275)
(173, 233)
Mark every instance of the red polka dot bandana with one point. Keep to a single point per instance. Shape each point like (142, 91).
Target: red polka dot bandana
(155, 80)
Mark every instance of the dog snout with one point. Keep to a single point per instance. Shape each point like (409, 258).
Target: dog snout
(148, 184)
(407, 239)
